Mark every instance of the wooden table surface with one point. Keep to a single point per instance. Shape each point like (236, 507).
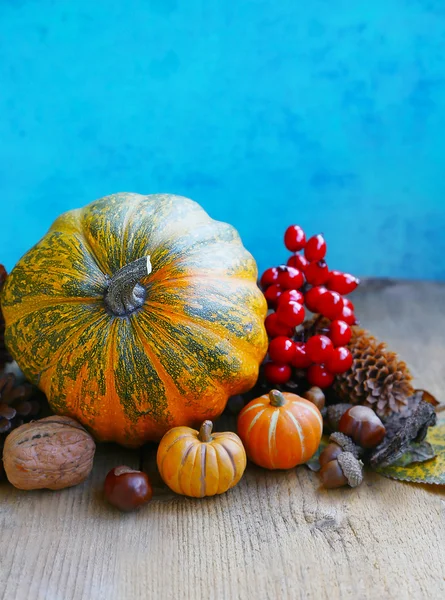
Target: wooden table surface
(277, 535)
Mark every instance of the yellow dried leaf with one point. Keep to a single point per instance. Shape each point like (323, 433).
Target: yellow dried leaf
(431, 471)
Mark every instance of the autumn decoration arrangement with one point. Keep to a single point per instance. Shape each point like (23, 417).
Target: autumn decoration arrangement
(139, 318)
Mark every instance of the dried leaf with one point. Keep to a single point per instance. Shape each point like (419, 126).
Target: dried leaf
(417, 453)
(431, 471)
(427, 397)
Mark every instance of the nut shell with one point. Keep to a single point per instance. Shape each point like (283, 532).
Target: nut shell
(351, 467)
(345, 443)
(54, 453)
(315, 395)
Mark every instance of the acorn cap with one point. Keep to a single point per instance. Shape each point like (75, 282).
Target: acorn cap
(351, 467)
(345, 443)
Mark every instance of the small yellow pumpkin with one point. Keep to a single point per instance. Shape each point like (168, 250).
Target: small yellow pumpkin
(200, 463)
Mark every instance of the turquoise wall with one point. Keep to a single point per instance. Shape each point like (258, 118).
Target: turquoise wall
(326, 113)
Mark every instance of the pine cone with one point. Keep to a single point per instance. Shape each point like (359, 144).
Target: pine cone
(377, 378)
(19, 402)
(4, 354)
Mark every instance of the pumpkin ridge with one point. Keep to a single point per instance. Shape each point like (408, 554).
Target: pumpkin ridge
(203, 468)
(272, 434)
(311, 409)
(164, 286)
(24, 310)
(49, 374)
(232, 462)
(84, 237)
(254, 421)
(159, 366)
(184, 487)
(245, 345)
(68, 340)
(186, 453)
(126, 224)
(195, 467)
(111, 361)
(298, 429)
(198, 276)
(181, 351)
(166, 450)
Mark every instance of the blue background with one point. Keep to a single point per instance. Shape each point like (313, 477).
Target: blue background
(326, 113)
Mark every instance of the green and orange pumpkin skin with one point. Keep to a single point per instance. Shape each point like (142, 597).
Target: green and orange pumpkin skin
(131, 354)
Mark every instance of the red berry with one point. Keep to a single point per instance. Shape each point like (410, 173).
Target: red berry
(316, 273)
(290, 313)
(347, 315)
(319, 376)
(348, 303)
(292, 296)
(301, 360)
(281, 350)
(340, 360)
(312, 297)
(274, 328)
(340, 333)
(319, 348)
(269, 277)
(294, 238)
(276, 373)
(298, 261)
(290, 278)
(331, 305)
(272, 294)
(315, 248)
(343, 283)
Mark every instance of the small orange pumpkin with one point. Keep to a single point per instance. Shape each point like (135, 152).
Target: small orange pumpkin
(199, 464)
(280, 430)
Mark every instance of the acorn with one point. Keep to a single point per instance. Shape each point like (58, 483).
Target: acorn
(345, 469)
(339, 442)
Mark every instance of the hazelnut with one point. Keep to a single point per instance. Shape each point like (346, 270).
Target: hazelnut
(343, 470)
(316, 396)
(127, 489)
(363, 426)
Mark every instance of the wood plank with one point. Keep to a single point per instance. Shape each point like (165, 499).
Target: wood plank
(276, 535)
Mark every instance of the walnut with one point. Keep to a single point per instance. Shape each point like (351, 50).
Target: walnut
(55, 453)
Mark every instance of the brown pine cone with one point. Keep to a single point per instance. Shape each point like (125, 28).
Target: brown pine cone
(377, 378)
(19, 402)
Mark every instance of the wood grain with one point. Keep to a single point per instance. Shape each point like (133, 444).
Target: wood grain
(276, 535)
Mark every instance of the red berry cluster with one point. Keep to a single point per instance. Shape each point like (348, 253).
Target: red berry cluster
(306, 282)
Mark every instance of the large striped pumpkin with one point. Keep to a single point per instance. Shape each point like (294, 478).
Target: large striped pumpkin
(136, 314)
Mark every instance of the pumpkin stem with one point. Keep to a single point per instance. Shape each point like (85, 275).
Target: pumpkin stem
(205, 431)
(125, 294)
(276, 398)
